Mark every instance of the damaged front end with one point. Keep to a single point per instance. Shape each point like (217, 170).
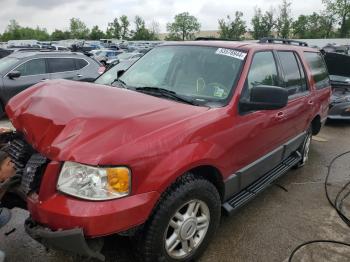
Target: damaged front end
(30, 167)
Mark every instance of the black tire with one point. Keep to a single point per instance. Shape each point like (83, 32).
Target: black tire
(151, 242)
(2, 111)
(304, 149)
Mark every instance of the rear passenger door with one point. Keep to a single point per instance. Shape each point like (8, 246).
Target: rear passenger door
(62, 68)
(295, 116)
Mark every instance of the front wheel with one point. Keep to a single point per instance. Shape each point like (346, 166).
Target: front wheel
(183, 223)
(305, 149)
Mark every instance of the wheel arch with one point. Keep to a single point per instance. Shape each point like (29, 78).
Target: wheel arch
(316, 125)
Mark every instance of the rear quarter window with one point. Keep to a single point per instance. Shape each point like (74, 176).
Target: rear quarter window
(318, 69)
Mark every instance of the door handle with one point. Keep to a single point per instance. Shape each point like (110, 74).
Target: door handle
(42, 80)
(79, 75)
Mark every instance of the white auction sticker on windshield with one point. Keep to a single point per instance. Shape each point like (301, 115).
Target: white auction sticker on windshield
(232, 53)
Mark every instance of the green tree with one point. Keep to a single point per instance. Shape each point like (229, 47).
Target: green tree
(124, 24)
(313, 26)
(141, 32)
(284, 20)
(114, 29)
(341, 10)
(60, 35)
(262, 23)
(96, 33)
(300, 27)
(15, 32)
(233, 29)
(78, 29)
(184, 27)
(12, 32)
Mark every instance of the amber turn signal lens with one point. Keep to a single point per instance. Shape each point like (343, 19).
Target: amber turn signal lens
(119, 179)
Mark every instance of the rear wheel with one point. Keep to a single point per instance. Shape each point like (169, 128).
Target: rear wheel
(183, 223)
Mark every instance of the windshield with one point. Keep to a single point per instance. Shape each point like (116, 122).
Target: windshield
(204, 74)
(6, 64)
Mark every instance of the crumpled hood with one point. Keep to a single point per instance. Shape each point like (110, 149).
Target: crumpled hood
(74, 121)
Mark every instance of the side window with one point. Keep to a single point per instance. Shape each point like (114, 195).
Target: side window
(80, 63)
(318, 69)
(292, 74)
(263, 71)
(32, 67)
(57, 65)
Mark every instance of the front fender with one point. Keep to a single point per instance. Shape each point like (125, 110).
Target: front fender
(179, 162)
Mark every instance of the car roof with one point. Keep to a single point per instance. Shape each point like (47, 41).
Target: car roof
(241, 45)
(25, 54)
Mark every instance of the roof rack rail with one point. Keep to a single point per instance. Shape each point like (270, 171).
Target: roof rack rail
(211, 39)
(273, 40)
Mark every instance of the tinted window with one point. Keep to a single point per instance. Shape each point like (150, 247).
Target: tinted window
(80, 63)
(32, 67)
(263, 70)
(318, 69)
(61, 64)
(7, 63)
(292, 75)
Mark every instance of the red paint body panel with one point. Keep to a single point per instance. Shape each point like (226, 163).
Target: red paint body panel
(157, 139)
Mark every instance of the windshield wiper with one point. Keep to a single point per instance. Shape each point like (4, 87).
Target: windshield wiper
(157, 91)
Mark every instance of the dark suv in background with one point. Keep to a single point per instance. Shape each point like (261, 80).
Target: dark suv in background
(21, 70)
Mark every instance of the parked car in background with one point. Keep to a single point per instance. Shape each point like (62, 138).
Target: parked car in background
(339, 108)
(21, 70)
(104, 55)
(123, 57)
(338, 65)
(59, 48)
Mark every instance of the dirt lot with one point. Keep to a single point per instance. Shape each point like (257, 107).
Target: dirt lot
(267, 229)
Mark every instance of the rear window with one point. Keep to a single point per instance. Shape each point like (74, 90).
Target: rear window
(57, 65)
(318, 69)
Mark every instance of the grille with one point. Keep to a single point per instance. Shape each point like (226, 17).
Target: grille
(29, 164)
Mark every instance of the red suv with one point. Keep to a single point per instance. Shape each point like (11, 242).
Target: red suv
(189, 130)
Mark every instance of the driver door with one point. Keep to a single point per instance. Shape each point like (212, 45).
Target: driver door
(32, 72)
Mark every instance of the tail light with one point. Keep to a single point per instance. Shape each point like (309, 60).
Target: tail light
(101, 70)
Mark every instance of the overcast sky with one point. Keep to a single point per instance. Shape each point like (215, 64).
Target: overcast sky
(52, 14)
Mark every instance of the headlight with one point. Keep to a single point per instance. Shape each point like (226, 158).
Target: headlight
(94, 183)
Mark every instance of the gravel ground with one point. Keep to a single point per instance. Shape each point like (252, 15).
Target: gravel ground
(267, 229)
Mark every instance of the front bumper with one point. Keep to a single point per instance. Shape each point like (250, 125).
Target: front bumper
(62, 212)
(72, 240)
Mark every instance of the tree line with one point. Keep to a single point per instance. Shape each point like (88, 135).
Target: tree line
(333, 21)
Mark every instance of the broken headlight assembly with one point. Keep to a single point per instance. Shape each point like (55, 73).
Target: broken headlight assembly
(94, 183)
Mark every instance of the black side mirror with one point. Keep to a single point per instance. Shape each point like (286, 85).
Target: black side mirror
(120, 73)
(14, 74)
(265, 98)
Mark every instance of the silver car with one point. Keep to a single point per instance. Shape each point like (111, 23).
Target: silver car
(21, 70)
